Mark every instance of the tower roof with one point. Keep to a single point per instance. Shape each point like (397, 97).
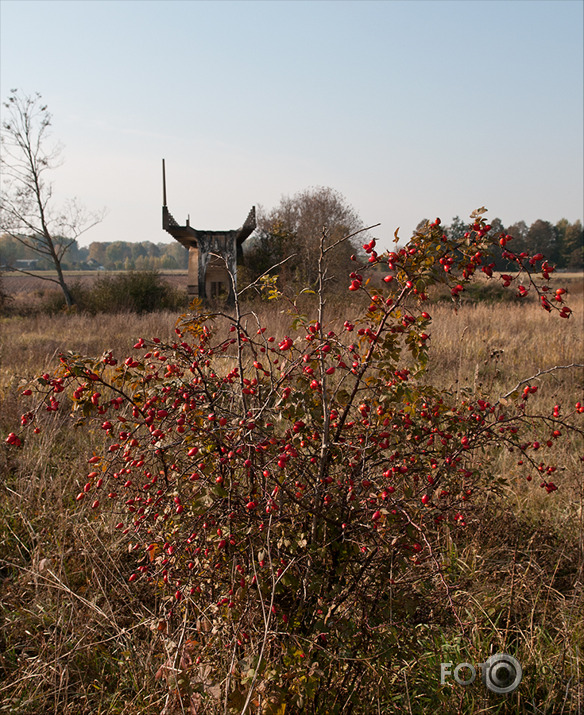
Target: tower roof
(187, 235)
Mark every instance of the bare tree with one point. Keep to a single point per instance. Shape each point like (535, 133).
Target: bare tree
(27, 213)
(296, 226)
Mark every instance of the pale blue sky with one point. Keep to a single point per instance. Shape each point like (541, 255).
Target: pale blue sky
(410, 109)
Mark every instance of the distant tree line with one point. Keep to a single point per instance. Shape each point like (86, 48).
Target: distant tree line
(142, 256)
(561, 243)
(293, 229)
(117, 255)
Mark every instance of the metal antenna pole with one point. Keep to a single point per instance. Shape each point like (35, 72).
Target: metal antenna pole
(163, 184)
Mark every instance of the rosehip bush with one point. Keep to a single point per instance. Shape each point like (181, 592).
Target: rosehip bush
(284, 492)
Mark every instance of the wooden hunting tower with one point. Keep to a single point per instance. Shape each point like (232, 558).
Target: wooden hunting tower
(213, 255)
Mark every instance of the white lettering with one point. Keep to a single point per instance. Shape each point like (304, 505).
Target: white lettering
(462, 681)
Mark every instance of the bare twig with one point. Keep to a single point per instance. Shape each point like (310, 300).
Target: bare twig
(351, 235)
(265, 273)
(537, 374)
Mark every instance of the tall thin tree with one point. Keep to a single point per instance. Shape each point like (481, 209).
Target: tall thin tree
(27, 211)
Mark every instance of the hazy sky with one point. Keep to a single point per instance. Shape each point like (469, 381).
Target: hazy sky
(411, 109)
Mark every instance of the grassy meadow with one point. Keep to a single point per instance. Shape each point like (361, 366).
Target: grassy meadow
(74, 638)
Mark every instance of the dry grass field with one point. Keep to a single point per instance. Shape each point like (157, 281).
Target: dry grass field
(75, 639)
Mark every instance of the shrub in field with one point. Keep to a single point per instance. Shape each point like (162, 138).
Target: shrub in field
(287, 493)
(134, 291)
(4, 297)
(481, 292)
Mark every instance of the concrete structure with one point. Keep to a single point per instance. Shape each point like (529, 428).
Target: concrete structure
(213, 255)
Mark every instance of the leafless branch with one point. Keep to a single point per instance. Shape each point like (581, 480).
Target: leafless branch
(265, 273)
(351, 235)
(537, 374)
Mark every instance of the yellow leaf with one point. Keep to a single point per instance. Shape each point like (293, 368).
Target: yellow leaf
(153, 549)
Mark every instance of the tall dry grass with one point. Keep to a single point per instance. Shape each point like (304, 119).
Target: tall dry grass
(73, 637)
(511, 342)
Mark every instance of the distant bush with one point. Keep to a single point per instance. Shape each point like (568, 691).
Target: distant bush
(489, 292)
(4, 297)
(135, 292)
(479, 292)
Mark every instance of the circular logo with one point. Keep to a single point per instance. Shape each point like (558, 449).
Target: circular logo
(502, 673)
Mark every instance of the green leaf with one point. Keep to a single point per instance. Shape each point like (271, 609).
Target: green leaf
(220, 491)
